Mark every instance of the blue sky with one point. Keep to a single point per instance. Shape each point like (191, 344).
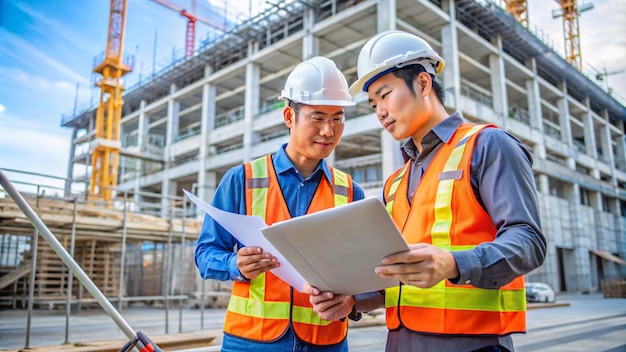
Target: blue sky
(48, 47)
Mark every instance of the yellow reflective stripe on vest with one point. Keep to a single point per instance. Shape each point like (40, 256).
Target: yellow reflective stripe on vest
(340, 180)
(443, 210)
(255, 305)
(393, 188)
(441, 297)
(259, 195)
(257, 288)
(258, 309)
(307, 316)
(391, 293)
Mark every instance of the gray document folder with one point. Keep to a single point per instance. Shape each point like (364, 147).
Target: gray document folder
(337, 249)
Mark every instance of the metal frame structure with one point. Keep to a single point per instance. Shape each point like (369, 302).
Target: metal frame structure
(71, 264)
(74, 297)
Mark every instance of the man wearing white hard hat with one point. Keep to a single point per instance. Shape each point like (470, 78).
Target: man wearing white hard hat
(264, 312)
(465, 201)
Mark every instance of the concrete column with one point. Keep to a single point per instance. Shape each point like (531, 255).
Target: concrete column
(251, 103)
(564, 122)
(206, 189)
(544, 184)
(605, 142)
(168, 187)
(385, 15)
(588, 131)
(574, 196)
(171, 127)
(142, 137)
(310, 43)
(451, 76)
(207, 124)
(534, 98)
(498, 83)
(539, 151)
(390, 154)
(620, 147)
(596, 202)
(70, 164)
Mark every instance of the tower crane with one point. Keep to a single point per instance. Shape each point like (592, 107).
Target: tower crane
(190, 35)
(570, 11)
(106, 145)
(602, 76)
(519, 10)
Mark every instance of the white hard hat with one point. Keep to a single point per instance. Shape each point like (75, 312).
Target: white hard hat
(390, 50)
(317, 81)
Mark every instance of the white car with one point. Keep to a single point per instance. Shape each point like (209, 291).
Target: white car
(539, 292)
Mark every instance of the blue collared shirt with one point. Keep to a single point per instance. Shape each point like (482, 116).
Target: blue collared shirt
(216, 248)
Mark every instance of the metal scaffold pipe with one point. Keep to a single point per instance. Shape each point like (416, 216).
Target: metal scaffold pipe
(66, 257)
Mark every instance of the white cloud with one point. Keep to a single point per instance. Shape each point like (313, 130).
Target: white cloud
(602, 36)
(58, 31)
(18, 48)
(31, 146)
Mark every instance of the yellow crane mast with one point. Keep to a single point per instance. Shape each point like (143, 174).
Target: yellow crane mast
(106, 144)
(519, 10)
(569, 11)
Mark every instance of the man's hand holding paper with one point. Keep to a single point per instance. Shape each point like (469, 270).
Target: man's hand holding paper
(253, 261)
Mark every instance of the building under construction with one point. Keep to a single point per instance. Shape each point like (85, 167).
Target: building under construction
(185, 126)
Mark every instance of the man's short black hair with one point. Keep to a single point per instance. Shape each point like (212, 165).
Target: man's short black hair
(410, 72)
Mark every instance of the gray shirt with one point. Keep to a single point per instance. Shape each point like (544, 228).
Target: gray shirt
(504, 184)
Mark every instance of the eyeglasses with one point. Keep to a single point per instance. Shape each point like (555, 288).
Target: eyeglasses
(320, 121)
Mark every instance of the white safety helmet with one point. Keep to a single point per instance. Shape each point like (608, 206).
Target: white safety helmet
(317, 81)
(390, 50)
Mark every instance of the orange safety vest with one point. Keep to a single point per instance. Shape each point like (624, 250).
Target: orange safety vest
(446, 214)
(264, 308)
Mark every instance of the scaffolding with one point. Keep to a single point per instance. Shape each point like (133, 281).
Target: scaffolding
(129, 255)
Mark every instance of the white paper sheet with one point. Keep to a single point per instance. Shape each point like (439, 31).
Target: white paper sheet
(338, 249)
(247, 229)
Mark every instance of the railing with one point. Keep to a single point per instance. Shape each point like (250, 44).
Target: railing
(579, 146)
(520, 115)
(184, 160)
(228, 148)
(67, 259)
(274, 135)
(270, 105)
(189, 132)
(77, 271)
(132, 140)
(229, 117)
(551, 130)
(477, 96)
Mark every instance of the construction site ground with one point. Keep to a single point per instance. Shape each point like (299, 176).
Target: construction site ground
(575, 322)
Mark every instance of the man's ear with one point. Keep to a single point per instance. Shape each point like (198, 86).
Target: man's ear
(289, 116)
(425, 83)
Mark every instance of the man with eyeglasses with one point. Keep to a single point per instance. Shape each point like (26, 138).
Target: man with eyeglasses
(264, 312)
